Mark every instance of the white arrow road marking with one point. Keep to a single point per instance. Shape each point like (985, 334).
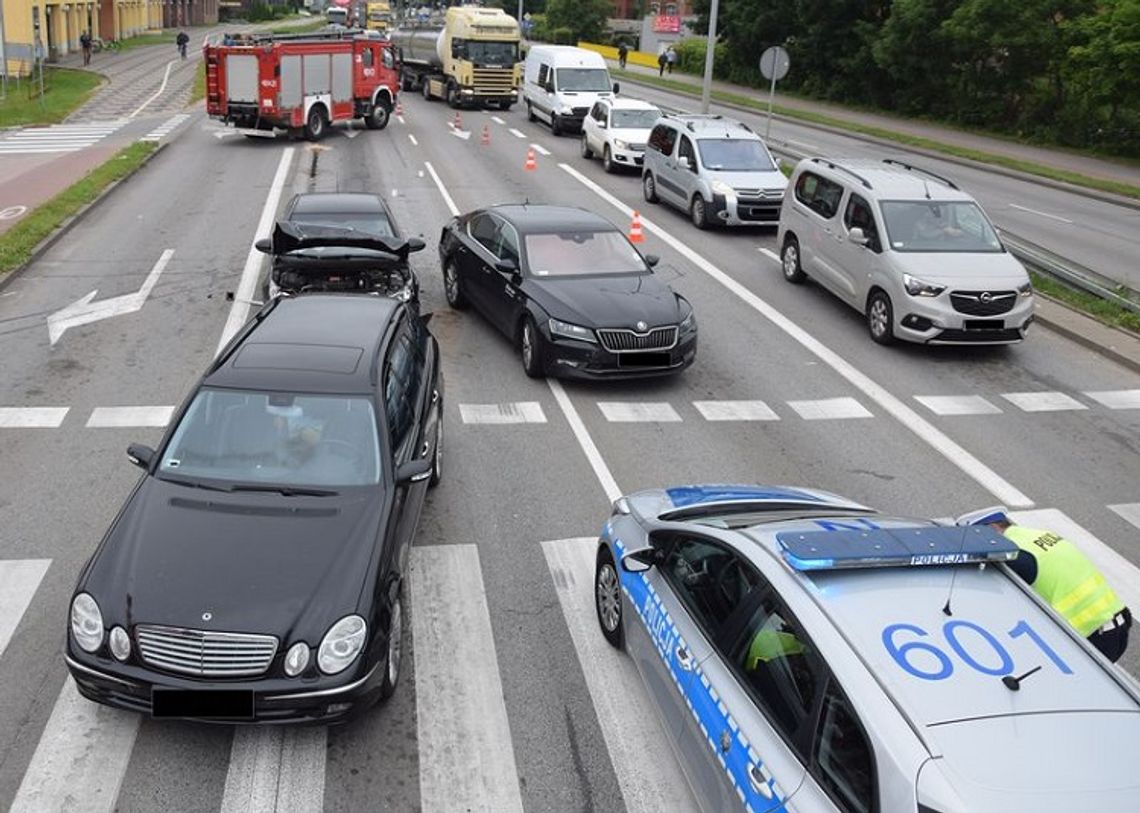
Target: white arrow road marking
(12, 212)
(83, 311)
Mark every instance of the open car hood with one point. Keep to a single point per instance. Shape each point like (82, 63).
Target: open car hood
(290, 237)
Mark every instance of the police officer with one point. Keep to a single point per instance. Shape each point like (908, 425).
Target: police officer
(1067, 580)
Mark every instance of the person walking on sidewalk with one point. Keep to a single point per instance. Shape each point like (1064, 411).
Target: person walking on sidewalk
(661, 60)
(623, 54)
(671, 58)
(182, 41)
(85, 44)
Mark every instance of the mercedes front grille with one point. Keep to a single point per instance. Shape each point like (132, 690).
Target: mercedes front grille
(205, 653)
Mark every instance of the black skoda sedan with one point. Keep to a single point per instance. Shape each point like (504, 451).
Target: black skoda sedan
(256, 571)
(569, 289)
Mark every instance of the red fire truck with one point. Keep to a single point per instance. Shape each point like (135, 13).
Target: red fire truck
(301, 83)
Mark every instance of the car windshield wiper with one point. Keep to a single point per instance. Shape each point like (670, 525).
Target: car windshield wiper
(288, 491)
(193, 483)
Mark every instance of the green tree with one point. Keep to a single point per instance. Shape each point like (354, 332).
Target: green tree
(912, 53)
(585, 18)
(1103, 72)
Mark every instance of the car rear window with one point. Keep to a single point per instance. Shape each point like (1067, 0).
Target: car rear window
(586, 253)
(277, 438)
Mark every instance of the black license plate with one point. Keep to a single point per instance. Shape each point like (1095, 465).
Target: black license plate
(222, 704)
(984, 324)
(643, 360)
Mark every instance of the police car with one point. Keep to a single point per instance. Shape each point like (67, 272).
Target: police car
(807, 653)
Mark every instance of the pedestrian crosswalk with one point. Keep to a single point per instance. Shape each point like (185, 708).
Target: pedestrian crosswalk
(163, 130)
(57, 138)
(463, 726)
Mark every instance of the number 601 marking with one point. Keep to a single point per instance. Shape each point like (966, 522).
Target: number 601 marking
(953, 632)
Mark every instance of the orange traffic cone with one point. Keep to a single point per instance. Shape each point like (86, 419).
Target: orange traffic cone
(530, 164)
(635, 235)
(458, 125)
(485, 139)
(399, 108)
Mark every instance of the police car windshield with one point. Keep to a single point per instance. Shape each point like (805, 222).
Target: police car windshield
(283, 439)
(582, 253)
(634, 119)
(939, 226)
(734, 155)
(583, 79)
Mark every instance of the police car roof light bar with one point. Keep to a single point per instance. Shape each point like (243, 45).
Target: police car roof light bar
(916, 546)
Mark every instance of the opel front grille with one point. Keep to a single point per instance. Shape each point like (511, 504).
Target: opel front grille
(619, 340)
(205, 653)
(983, 303)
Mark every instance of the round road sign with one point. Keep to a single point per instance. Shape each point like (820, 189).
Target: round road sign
(774, 63)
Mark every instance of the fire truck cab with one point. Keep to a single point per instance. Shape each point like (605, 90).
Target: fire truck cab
(301, 83)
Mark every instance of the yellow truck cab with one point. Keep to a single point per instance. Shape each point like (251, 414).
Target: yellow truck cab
(378, 16)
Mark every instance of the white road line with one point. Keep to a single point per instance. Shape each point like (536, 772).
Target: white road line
(239, 311)
(37, 150)
(1128, 511)
(735, 411)
(276, 768)
(958, 405)
(597, 462)
(514, 412)
(1117, 399)
(516, 133)
(1122, 575)
(19, 580)
(412, 139)
(541, 150)
(647, 772)
(130, 416)
(465, 754)
(497, 120)
(401, 119)
(1042, 214)
(1043, 401)
(442, 189)
(81, 757)
(32, 417)
(638, 412)
(157, 93)
(908, 417)
(830, 409)
(773, 256)
(804, 144)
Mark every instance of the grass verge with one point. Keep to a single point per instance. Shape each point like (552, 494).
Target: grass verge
(1100, 309)
(65, 90)
(18, 243)
(143, 40)
(313, 25)
(198, 89)
(1030, 167)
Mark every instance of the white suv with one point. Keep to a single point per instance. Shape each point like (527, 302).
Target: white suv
(616, 130)
(905, 247)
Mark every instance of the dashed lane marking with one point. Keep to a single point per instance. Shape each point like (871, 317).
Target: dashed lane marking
(1117, 399)
(830, 409)
(1058, 218)
(516, 133)
(515, 412)
(638, 412)
(767, 252)
(19, 580)
(163, 130)
(957, 404)
(412, 139)
(541, 150)
(32, 417)
(1130, 512)
(130, 416)
(735, 411)
(497, 120)
(1043, 401)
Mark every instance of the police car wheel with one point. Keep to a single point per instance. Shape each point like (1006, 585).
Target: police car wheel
(394, 656)
(880, 318)
(607, 598)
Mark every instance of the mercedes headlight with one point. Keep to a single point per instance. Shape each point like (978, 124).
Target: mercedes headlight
(621, 145)
(721, 188)
(916, 287)
(86, 623)
(341, 644)
(569, 331)
(120, 643)
(297, 658)
(1025, 290)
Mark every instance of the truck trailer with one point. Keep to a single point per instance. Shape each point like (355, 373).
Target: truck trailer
(471, 59)
(301, 83)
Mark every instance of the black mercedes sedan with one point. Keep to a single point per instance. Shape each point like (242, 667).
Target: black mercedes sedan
(256, 571)
(569, 289)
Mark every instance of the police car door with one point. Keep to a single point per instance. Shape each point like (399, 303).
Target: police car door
(726, 749)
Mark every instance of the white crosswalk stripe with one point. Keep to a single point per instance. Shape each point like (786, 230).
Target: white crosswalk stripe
(130, 416)
(32, 417)
(514, 412)
(1043, 401)
(735, 411)
(830, 409)
(1117, 399)
(19, 580)
(276, 769)
(635, 412)
(957, 404)
(1129, 512)
(57, 138)
(164, 129)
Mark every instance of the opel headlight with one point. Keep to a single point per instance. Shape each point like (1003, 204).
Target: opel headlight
(621, 145)
(569, 331)
(297, 658)
(916, 287)
(86, 623)
(341, 644)
(721, 188)
(1025, 290)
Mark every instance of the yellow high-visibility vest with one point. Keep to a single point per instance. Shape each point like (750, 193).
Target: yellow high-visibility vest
(1067, 579)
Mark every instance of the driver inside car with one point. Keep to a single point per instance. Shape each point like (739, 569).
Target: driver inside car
(297, 434)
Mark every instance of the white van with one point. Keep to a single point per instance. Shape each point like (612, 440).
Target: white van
(561, 84)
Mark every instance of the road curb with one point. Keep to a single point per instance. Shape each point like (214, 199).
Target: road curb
(1121, 346)
(69, 223)
(997, 169)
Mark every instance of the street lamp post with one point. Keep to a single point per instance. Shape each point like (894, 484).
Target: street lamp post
(710, 47)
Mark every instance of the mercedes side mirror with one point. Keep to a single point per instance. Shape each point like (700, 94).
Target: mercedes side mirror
(640, 560)
(416, 244)
(651, 260)
(857, 237)
(140, 455)
(264, 245)
(414, 471)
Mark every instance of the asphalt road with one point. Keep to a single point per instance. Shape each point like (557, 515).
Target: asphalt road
(1099, 235)
(537, 714)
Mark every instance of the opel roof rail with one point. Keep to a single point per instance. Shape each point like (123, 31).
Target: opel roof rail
(840, 168)
(913, 168)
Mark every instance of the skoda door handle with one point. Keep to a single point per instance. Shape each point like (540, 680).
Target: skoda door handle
(758, 779)
(425, 449)
(509, 290)
(685, 659)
